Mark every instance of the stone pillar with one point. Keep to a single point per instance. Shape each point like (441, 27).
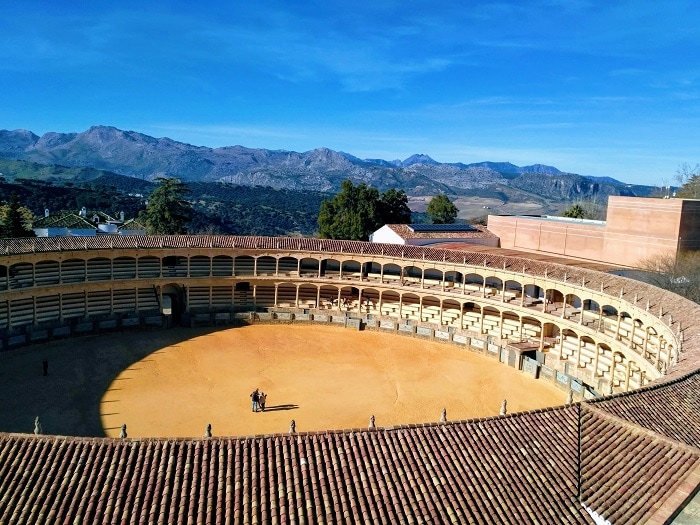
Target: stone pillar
(634, 326)
(617, 329)
(627, 375)
(561, 344)
(420, 309)
(276, 287)
(255, 266)
(563, 307)
(595, 360)
(578, 352)
(296, 299)
(541, 336)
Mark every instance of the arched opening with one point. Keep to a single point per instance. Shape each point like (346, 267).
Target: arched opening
(46, 273)
(173, 302)
(352, 270)
(222, 266)
(286, 295)
(471, 317)
(148, 267)
(431, 310)
(99, 269)
(391, 273)
(453, 279)
(433, 278)
(389, 303)
(266, 265)
(492, 286)
(330, 268)
(510, 327)
(513, 291)
(244, 265)
(491, 321)
(370, 301)
(451, 311)
(265, 295)
(288, 266)
(307, 296)
(329, 297)
(308, 267)
(200, 266)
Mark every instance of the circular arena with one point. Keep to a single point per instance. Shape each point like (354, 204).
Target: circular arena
(625, 449)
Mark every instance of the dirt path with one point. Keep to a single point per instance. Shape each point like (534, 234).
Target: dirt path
(172, 383)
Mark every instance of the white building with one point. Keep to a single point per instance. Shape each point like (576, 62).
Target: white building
(431, 234)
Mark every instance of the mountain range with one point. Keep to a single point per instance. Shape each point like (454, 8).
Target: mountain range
(137, 155)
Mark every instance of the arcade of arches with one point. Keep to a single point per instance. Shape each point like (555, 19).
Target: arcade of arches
(610, 344)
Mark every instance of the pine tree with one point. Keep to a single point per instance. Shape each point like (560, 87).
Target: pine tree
(168, 213)
(15, 220)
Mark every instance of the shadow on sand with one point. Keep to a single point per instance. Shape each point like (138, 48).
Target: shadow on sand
(273, 408)
(81, 371)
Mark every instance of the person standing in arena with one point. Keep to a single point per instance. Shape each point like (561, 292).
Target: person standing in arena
(255, 398)
(261, 400)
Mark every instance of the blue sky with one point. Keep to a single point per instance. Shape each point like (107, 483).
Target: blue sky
(607, 88)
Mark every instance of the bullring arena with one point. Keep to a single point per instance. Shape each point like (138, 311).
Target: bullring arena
(625, 354)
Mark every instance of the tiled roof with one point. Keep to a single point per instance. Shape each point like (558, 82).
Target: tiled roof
(671, 410)
(521, 468)
(473, 232)
(64, 220)
(132, 224)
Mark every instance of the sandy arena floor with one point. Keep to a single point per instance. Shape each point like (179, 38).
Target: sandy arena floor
(172, 383)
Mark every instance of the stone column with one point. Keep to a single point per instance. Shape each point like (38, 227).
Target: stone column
(595, 360)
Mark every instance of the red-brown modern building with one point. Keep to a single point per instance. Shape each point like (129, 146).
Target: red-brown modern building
(635, 230)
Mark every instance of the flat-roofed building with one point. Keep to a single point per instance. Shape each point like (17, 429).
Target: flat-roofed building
(635, 229)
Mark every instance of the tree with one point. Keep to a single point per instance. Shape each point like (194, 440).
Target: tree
(393, 207)
(442, 210)
(576, 211)
(168, 213)
(679, 274)
(689, 179)
(15, 220)
(352, 214)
